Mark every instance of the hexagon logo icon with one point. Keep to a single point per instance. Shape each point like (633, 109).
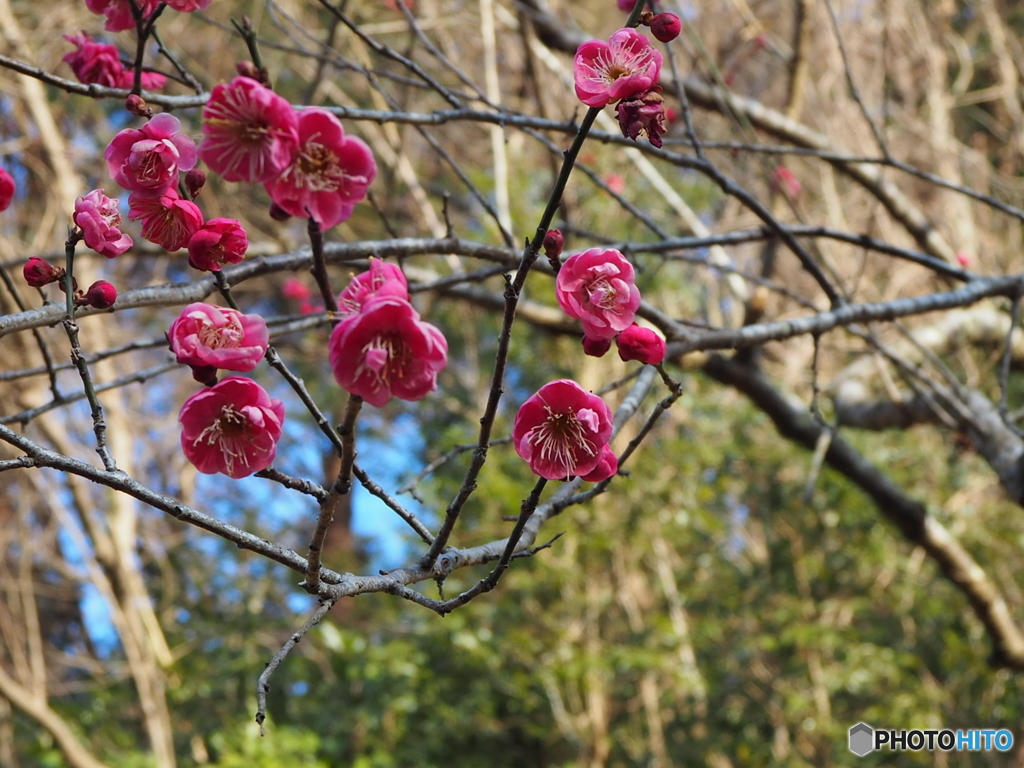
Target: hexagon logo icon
(862, 738)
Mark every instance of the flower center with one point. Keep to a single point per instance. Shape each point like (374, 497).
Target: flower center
(615, 71)
(560, 438)
(317, 169)
(226, 336)
(231, 433)
(601, 294)
(384, 359)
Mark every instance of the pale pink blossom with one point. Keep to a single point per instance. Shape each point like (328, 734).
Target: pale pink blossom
(7, 189)
(250, 133)
(604, 72)
(381, 279)
(146, 160)
(167, 220)
(119, 12)
(100, 221)
(328, 176)
(386, 351)
(643, 344)
(597, 288)
(218, 242)
(607, 466)
(187, 6)
(232, 428)
(561, 430)
(221, 337)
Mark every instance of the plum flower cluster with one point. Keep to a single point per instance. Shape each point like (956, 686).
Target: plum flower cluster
(626, 69)
(381, 349)
(598, 288)
(308, 165)
(233, 426)
(100, 64)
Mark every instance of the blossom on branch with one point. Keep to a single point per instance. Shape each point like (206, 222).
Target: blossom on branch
(7, 189)
(561, 430)
(100, 63)
(626, 65)
(187, 6)
(100, 221)
(329, 174)
(381, 279)
(597, 288)
(643, 344)
(643, 113)
(167, 220)
(219, 337)
(119, 12)
(216, 243)
(607, 466)
(147, 160)
(250, 133)
(232, 428)
(386, 351)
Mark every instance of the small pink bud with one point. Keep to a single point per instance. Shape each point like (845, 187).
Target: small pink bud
(553, 242)
(666, 27)
(39, 272)
(137, 106)
(596, 347)
(963, 259)
(100, 295)
(643, 344)
(195, 180)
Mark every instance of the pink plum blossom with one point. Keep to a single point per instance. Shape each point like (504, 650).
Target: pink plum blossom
(167, 220)
(100, 221)
(626, 5)
(100, 63)
(7, 189)
(221, 337)
(561, 430)
(187, 6)
(296, 290)
(643, 344)
(232, 428)
(386, 351)
(381, 279)
(250, 133)
(328, 176)
(626, 65)
(597, 288)
(218, 242)
(119, 12)
(147, 160)
(607, 466)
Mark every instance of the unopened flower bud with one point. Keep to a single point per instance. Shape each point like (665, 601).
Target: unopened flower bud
(137, 106)
(666, 27)
(100, 295)
(277, 213)
(39, 272)
(596, 347)
(643, 344)
(248, 69)
(204, 374)
(194, 182)
(553, 242)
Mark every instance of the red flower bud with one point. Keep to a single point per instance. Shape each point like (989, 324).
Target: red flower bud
(596, 347)
(643, 344)
(137, 106)
(101, 295)
(39, 272)
(553, 242)
(666, 27)
(194, 182)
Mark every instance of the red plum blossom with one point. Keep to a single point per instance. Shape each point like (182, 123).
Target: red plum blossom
(597, 288)
(7, 189)
(605, 72)
(232, 428)
(147, 160)
(119, 12)
(216, 243)
(167, 220)
(328, 176)
(607, 466)
(643, 344)
(561, 430)
(100, 221)
(100, 63)
(381, 279)
(220, 337)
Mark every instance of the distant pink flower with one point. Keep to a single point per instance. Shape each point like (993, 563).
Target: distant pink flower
(167, 220)
(94, 62)
(216, 243)
(147, 160)
(100, 221)
(626, 5)
(221, 337)
(296, 290)
(119, 12)
(643, 344)
(607, 466)
(7, 189)
(616, 183)
(328, 176)
(187, 6)
(381, 279)
(597, 288)
(250, 133)
(231, 428)
(604, 72)
(561, 430)
(963, 258)
(786, 181)
(386, 351)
